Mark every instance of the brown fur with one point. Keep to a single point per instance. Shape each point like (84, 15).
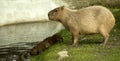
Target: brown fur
(39, 48)
(89, 20)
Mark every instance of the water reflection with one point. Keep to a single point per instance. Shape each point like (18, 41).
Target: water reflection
(16, 51)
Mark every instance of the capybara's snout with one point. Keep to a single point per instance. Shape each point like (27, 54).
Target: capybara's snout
(50, 15)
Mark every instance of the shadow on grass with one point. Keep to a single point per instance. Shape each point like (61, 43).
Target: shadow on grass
(90, 41)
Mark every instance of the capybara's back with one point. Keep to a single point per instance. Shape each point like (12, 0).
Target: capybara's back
(88, 20)
(95, 18)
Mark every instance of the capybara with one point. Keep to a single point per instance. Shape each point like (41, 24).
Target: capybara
(39, 48)
(88, 20)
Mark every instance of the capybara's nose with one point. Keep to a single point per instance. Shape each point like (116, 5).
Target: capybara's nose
(48, 14)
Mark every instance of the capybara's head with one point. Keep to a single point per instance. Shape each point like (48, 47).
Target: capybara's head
(34, 51)
(56, 13)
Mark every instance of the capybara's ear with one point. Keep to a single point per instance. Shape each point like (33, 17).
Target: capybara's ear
(59, 9)
(47, 45)
(62, 7)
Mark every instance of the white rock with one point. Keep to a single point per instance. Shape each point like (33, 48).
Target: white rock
(63, 54)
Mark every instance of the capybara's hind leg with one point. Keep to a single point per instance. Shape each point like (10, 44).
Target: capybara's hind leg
(105, 40)
(105, 35)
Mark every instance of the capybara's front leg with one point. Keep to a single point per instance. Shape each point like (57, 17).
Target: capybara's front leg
(74, 39)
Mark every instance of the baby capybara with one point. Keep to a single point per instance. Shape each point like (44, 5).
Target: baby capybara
(39, 48)
(89, 20)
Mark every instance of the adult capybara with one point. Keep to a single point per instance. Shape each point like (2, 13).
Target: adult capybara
(89, 20)
(39, 48)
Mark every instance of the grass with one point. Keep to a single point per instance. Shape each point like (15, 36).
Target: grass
(88, 48)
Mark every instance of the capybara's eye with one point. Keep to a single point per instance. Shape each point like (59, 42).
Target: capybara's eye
(55, 10)
(37, 52)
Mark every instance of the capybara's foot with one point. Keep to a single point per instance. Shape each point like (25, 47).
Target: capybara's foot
(74, 45)
(102, 44)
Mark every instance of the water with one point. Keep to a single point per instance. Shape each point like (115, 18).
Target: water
(14, 54)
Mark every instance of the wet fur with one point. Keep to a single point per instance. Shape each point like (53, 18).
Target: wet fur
(39, 48)
(89, 20)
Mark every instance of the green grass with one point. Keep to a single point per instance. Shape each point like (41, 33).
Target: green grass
(88, 48)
